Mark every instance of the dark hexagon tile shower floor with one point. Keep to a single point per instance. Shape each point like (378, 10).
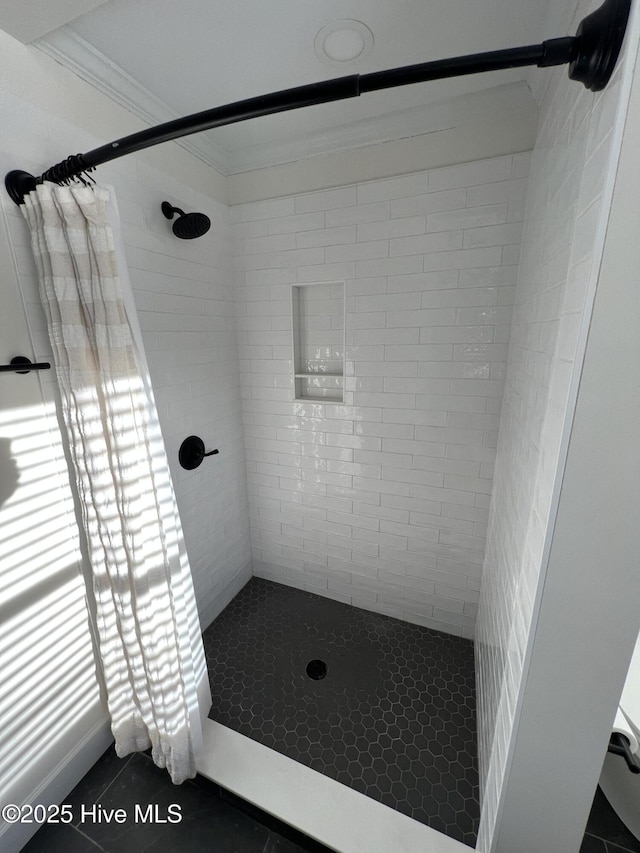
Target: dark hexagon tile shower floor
(394, 718)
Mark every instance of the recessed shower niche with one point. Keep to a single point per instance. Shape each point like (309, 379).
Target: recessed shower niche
(318, 327)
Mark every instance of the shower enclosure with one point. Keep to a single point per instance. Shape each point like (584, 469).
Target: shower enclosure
(382, 706)
(384, 462)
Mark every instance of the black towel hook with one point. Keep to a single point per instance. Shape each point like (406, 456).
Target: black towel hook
(22, 364)
(192, 453)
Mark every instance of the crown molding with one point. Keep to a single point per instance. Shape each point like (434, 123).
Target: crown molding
(78, 55)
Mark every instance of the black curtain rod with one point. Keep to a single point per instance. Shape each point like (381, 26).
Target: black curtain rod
(591, 54)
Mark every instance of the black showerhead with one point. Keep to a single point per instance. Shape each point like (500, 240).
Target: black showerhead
(187, 226)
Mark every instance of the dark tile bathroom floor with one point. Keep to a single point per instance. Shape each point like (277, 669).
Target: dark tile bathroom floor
(212, 818)
(393, 718)
(605, 831)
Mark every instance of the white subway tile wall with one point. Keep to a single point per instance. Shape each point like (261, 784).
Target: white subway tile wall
(382, 502)
(569, 193)
(185, 299)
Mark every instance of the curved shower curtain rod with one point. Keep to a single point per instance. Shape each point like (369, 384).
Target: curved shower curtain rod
(591, 54)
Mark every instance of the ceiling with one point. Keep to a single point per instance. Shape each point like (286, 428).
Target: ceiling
(168, 58)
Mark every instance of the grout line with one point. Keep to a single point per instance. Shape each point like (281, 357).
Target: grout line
(88, 838)
(121, 770)
(611, 846)
(591, 835)
(615, 848)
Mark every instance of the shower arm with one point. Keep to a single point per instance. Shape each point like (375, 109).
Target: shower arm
(591, 54)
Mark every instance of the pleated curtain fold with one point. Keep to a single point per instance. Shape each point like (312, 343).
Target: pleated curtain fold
(147, 622)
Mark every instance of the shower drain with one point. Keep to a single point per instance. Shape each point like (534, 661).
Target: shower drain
(316, 669)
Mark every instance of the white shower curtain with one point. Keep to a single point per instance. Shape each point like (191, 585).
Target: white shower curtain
(149, 634)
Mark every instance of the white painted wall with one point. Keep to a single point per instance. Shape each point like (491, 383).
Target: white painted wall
(382, 502)
(568, 205)
(51, 714)
(184, 296)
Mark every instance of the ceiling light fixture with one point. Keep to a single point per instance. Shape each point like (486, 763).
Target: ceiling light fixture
(343, 41)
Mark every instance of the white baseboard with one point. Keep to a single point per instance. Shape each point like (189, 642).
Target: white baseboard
(59, 782)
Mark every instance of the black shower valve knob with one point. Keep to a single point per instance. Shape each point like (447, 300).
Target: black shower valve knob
(192, 452)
